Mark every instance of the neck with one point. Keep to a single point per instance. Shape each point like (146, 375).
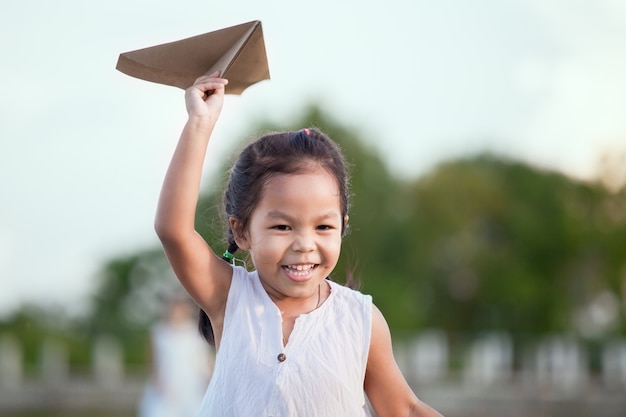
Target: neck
(294, 307)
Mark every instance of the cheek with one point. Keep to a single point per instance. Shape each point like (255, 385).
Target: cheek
(268, 245)
(332, 245)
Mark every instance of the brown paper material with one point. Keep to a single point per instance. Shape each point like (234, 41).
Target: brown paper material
(238, 52)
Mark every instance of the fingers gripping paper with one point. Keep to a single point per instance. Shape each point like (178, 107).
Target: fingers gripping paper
(238, 52)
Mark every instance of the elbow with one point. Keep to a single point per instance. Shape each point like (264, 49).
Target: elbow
(160, 228)
(167, 225)
(172, 233)
(164, 231)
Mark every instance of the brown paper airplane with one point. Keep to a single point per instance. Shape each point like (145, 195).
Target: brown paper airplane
(237, 52)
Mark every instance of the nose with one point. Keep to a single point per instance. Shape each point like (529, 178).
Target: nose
(304, 242)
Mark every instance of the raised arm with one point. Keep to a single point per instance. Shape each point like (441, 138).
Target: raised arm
(204, 275)
(385, 386)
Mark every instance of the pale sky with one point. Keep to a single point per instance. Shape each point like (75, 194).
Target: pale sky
(83, 147)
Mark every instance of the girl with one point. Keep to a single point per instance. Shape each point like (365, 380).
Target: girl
(289, 341)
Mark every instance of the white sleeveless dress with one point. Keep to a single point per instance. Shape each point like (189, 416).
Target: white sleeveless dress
(319, 373)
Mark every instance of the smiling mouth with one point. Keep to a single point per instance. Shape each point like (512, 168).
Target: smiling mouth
(300, 270)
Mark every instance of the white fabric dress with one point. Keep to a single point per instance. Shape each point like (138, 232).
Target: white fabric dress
(323, 365)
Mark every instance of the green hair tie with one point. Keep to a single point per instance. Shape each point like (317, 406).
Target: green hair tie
(227, 255)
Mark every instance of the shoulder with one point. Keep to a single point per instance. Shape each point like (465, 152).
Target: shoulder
(354, 309)
(380, 328)
(244, 279)
(353, 302)
(245, 288)
(350, 295)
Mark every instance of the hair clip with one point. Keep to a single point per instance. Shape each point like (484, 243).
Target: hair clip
(230, 258)
(302, 134)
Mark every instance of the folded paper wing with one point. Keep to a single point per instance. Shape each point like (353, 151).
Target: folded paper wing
(237, 52)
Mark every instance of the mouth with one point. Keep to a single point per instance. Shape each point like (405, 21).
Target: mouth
(300, 272)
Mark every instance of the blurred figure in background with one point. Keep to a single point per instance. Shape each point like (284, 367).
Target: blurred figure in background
(182, 363)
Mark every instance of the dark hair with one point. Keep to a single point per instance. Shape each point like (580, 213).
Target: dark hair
(270, 155)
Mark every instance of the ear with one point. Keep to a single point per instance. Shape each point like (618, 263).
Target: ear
(345, 223)
(241, 237)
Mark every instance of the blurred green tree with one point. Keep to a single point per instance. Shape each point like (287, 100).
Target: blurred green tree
(478, 244)
(501, 245)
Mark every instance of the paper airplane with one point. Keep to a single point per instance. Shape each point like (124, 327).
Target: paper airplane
(237, 52)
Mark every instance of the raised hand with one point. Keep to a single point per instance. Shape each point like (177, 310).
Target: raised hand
(205, 97)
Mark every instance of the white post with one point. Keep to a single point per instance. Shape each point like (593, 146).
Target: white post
(107, 361)
(429, 356)
(54, 363)
(11, 364)
(614, 363)
(560, 361)
(490, 359)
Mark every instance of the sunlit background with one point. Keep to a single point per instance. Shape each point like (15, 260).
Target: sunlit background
(423, 87)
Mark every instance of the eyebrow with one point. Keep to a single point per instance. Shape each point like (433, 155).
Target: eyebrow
(277, 214)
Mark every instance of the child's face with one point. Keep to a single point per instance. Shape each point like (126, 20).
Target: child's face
(294, 233)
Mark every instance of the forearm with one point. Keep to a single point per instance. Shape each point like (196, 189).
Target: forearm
(179, 194)
(420, 409)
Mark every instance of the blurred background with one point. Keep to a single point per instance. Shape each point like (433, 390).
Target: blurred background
(488, 149)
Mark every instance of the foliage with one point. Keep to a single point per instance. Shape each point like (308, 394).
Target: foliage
(478, 244)
(33, 326)
(505, 246)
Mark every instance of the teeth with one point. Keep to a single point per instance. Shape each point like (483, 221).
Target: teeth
(300, 267)
(300, 270)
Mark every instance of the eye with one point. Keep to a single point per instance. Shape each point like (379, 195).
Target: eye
(282, 227)
(325, 227)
